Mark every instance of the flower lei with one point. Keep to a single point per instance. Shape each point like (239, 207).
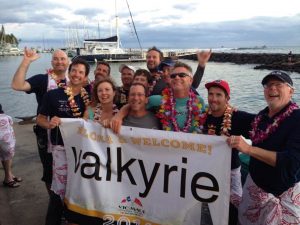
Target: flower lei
(167, 112)
(226, 124)
(258, 135)
(72, 103)
(98, 111)
(59, 82)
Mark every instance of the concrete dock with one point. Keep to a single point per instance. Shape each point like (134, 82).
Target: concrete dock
(27, 204)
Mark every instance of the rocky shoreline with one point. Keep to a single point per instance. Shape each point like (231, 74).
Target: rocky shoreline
(271, 61)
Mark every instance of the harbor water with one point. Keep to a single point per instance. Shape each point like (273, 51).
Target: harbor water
(245, 83)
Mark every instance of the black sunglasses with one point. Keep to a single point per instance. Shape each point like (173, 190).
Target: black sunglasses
(181, 75)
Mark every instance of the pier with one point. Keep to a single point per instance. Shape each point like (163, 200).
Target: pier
(27, 204)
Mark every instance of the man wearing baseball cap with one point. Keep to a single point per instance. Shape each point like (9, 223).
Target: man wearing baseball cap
(223, 119)
(127, 74)
(274, 168)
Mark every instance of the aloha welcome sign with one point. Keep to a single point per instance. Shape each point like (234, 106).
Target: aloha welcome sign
(145, 176)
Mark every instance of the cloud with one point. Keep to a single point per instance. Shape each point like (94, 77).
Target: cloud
(88, 12)
(158, 23)
(251, 32)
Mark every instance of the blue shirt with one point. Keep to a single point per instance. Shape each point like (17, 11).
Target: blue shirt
(181, 109)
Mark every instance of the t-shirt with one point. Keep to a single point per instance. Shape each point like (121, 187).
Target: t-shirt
(240, 125)
(148, 121)
(181, 109)
(55, 103)
(121, 98)
(39, 84)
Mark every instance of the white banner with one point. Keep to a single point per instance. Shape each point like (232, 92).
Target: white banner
(146, 176)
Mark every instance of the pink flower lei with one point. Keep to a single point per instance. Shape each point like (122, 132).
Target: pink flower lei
(258, 135)
(167, 112)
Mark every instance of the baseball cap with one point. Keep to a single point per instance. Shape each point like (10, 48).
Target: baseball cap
(279, 75)
(167, 62)
(219, 83)
(122, 66)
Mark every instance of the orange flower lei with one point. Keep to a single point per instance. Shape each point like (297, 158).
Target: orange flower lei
(226, 124)
(59, 82)
(72, 103)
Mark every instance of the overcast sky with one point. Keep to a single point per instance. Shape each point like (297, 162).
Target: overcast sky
(164, 23)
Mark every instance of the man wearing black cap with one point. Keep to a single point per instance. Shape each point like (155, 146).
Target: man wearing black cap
(223, 119)
(272, 189)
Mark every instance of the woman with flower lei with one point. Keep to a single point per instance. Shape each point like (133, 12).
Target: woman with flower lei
(103, 107)
(272, 189)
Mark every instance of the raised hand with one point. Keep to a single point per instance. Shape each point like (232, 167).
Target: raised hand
(30, 55)
(203, 57)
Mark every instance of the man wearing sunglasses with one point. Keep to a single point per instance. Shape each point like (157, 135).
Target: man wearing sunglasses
(178, 108)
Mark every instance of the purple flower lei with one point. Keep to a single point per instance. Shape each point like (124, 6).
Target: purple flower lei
(258, 135)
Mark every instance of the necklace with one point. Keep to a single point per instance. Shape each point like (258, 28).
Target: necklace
(226, 123)
(258, 135)
(98, 111)
(167, 112)
(72, 103)
(59, 82)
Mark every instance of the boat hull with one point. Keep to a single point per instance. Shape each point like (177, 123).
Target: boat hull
(111, 57)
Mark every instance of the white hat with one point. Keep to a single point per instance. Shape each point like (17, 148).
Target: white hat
(122, 66)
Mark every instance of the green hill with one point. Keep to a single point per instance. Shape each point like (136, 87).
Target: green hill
(7, 38)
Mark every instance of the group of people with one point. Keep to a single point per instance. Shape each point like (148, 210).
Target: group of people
(165, 97)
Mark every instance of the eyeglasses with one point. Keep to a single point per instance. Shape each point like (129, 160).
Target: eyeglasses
(181, 75)
(136, 94)
(277, 85)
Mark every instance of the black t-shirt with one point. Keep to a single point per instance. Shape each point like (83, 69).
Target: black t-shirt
(121, 98)
(55, 103)
(240, 125)
(38, 85)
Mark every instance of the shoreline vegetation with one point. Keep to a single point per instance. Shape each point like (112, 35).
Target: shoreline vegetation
(270, 61)
(7, 38)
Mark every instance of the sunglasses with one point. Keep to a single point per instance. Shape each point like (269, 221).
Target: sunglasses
(181, 75)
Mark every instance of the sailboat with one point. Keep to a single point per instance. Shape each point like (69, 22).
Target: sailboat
(108, 49)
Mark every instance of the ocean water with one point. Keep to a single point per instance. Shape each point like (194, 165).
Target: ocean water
(245, 83)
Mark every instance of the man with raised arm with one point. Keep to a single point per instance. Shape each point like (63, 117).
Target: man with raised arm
(40, 84)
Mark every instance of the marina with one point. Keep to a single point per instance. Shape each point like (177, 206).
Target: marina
(246, 95)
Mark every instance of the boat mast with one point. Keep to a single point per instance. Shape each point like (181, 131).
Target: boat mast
(117, 26)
